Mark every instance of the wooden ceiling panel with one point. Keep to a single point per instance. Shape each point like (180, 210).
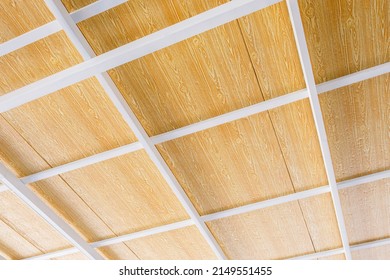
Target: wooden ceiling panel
(229, 165)
(127, 193)
(321, 222)
(181, 244)
(270, 41)
(357, 122)
(72, 257)
(18, 17)
(73, 5)
(212, 75)
(345, 36)
(29, 225)
(377, 253)
(72, 123)
(13, 245)
(276, 232)
(366, 210)
(298, 140)
(339, 257)
(37, 61)
(119, 251)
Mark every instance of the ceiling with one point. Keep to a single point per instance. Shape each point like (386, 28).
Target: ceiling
(207, 166)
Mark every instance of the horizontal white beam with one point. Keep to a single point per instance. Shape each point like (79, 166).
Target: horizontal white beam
(322, 254)
(222, 214)
(36, 204)
(364, 179)
(304, 56)
(29, 37)
(94, 9)
(371, 244)
(116, 152)
(131, 51)
(53, 27)
(56, 254)
(266, 203)
(196, 127)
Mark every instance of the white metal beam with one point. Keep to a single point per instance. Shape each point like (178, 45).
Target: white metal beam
(322, 254)
(228, 213)
(131, 51)
(94, 9)
(86, 51)
(304, 56)
(36, 204)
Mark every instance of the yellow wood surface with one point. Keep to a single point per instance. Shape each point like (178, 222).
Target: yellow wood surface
(19, 217)
(345, 36)
(229, 165)
(271, 233)
(357, 122)
(367, 211)
(339, 257)
(73, 5)
(377, 253)
(181, 244)
(127, 192)
(20, 16)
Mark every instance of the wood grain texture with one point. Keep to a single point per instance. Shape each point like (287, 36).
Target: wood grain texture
(13, 245)
(18, 17)
(229, 165)
(345, 36)
(269, 38)
(212, 75)
(74, 5)
(29, 225)
(357, 122)
(321, 222)
(377, 253)
(181, 244)
(119, 251)
(17, 155)
(72, 257)
(128, 193)
(276, 232)
(366, 210)
(298, 140)
(339, 257)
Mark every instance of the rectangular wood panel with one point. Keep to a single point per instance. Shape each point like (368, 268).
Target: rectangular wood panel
(181, 244)
(229, 165)
(127, 193)
(377, 253)
(367, 211)
(18, 17)
(276, 232)
(357, 122)
(344, 37)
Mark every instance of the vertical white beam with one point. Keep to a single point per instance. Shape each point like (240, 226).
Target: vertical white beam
(36, 204)
(86, 51)
(303, 51)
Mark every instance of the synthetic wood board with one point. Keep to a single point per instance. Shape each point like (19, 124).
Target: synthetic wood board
(18, 17)
(367, 211)
(357, 122)
(344, 37)
(196, 79)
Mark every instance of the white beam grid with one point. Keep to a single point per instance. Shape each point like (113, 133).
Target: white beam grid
(153, 42)
(237, 211)
(36, 204)
(304, 56)
(86, 51)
